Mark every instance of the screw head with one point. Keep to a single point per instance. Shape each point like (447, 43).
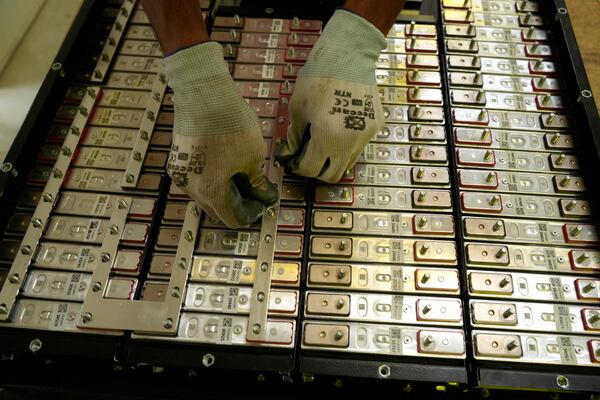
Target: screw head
(14, 278)
(562, 381)
(87, 317)
(168, 324)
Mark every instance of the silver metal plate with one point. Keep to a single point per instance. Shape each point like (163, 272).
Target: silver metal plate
(383, 223)
(531, 231)
(382, 278)
(383, 308)
(397, 175)
(394, 340)
(398, 199)
(524, 286)
(532, 258)
(226, 330)
(536, 348)
(516, 160)
(539, 317)
(383, 250)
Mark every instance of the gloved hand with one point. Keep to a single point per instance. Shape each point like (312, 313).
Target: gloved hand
(217, 151)
(336, 95)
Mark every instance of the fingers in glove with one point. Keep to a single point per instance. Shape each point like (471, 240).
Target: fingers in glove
(240, 211)
(333, 171)
(256, 186)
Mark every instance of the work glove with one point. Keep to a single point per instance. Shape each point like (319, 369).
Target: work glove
(217, 151)
(335, 109)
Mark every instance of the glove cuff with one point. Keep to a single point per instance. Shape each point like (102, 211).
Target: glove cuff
(347, 49)
(199, 63)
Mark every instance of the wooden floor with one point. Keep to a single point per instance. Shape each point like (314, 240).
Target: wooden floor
(585, 16)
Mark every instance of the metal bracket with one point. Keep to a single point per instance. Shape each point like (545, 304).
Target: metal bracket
(34, 232)
(138, 153)
(114, 37)
(257, 322)
(158, 317)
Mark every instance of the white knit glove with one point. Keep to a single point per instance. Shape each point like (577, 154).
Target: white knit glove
(218, 151)
(335, 109)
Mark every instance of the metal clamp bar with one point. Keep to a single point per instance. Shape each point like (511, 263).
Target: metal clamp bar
(257, 321)
(159, 317)
(42, 212)
(114, 37)
(138, 153)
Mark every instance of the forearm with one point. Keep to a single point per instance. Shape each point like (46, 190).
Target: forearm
(177, 23)
(381, 13)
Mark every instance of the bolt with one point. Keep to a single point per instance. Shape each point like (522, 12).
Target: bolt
(419, 151)
(418, 129)
(428, 341)
(420, 173)
(562, 381)
(582, 258)
(83, 111)
(87, 317)
(565, 181)
(3, 309)
(341, 273)
(507, 313)
(35, 345)
(270, 212)
(427, 308)
(150, 115)
(504, 282)
(497, 226)
(576, 231)
(130, 178)
(67, 151)
(268, 238)
(260, 297)
(550, 118)
(56, 66)
(256, 328)
(494, 199)
(97, 286)
(340, 304)
(105, 257)
(425, 278)
(176, 292)
(14, 278)
(168, 323)
(424, 248)
(144, 135)
(137, 156)
(490, 177)
(342, 245)
(482, 114)
(344, 218)
(589, 287)
(501, 252)
(122, 204)
(485, 134)
(421, 196)
(189, 236)
(339, 335)
(57, 173)
(594, 318)
(264, 266)
(488, 155)
(571, 205)
(36, 222)
(422, 222)
(114, 230)
(513, 344)
(26, 250)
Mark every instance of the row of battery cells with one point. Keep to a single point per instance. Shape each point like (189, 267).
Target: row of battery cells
(382, 276)
(219, 289)
(69, 251)
(530, 230)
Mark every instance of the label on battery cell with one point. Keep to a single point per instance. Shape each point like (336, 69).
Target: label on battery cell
(395, 340)
(268, 71)
(58, 317)
(263, 90)
(396, 251)
(234, 272)
(397, 303)
(84, 257)
(73, 285)
(230, 300)
(224, 330)
(397, 282)
(100, 205)
(242, 244)
(270, 56)
(566, 350)
(92, 230)
(557, 289)
(562, 318)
